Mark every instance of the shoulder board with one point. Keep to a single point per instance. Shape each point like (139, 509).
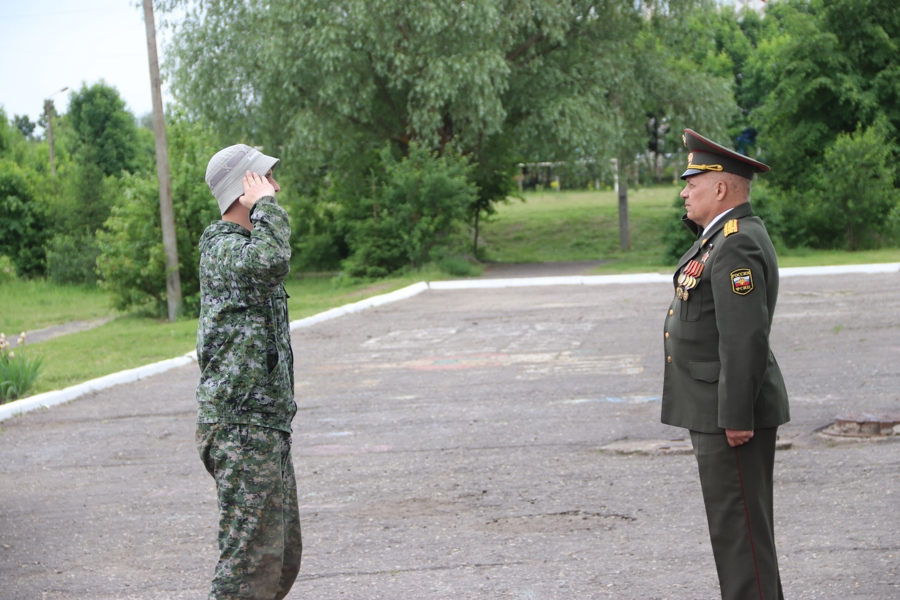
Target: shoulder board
(731, 227)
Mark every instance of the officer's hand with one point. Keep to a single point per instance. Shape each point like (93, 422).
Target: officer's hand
(255, 187)
(736, 437)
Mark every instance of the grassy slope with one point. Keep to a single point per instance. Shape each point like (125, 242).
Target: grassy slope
(583, 225)
(576, 225)
(132, 341)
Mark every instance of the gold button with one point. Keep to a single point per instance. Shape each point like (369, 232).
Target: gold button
(668, 359)
(667, 335)
(671, 311)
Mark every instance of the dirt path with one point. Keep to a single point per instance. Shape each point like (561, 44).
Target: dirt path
(48, 333)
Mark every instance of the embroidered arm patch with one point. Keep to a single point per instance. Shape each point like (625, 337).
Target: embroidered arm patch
(741, 282)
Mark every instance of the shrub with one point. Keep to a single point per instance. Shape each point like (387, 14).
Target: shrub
(22, 222)
(318, 232)
(17, 372)
(850, 203)
(856, 188)
(677, 238)
(132, 259)
(72, 259)
(416, 213)
(7, 270)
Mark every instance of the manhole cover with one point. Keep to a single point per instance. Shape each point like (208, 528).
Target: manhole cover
(864, 425)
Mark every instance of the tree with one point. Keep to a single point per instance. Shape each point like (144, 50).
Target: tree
(131, 257)
(498, 81)
(22, 221)
(101, 131)
(25, 125)
(103, 145)
(827, 66)
(856, 189)
(417, 204)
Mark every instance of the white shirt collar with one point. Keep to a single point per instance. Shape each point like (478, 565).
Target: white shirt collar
(716, 220)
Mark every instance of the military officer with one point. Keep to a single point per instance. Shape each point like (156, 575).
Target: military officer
(721, 380)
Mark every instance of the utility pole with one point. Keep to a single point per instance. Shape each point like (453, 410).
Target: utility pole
(48, 112)
(624, 235)
(166, 212)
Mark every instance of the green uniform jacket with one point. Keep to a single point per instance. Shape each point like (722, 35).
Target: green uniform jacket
(243, 337)
(720, 373)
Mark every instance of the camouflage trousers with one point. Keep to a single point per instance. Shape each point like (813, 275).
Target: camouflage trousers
(259, 521)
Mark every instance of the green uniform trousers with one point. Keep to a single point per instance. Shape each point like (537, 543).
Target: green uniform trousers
(737, 491)
(259, 522)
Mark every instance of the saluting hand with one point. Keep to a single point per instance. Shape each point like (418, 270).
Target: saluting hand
(255, 187)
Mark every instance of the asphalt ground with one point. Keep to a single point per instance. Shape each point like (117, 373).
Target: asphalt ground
(457, 444)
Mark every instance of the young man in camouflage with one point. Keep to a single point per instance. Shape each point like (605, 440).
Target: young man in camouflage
(246, 390)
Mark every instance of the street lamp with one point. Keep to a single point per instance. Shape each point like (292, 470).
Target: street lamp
(48, 109)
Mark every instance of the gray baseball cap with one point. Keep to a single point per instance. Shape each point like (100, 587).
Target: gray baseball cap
(226, 169)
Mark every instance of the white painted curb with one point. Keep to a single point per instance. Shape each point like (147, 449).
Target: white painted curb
(840, 269)
(53, 398)
(472, 284)
(401, 294)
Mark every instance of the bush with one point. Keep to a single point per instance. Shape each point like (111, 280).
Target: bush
(318, 232)
(851, 203)
(420, 203)
(459, 267)
(677, 239)
(856, 189)
(22, 222)
(7, 270)
(132, 260)
(767, 204)
(72, 259)
(17, 372)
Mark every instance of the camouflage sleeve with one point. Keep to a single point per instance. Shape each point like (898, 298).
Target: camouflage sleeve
(264, 260)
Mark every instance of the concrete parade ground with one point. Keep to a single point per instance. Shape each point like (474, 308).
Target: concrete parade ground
(483, 443)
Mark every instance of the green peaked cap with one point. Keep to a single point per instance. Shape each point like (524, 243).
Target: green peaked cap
(706, 155)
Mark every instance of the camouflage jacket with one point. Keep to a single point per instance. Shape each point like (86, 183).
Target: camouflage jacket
(243, 337)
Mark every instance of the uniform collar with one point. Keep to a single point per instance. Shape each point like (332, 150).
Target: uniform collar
(738, 212)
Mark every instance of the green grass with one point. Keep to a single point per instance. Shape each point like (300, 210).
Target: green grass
(817, 258)
(584, 225)
(578, 225)
(26, 305)
(132, 341)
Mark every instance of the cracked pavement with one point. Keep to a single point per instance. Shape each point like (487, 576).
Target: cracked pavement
(450, 446)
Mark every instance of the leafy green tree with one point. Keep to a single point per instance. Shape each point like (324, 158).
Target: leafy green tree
(25, 125)
(103, 145)
(856, 190)
(690, 58)
(132, 259)
(22, 221)
(101, 131)
(827, 66)
(419, 202)
(6, 134)
(499, 81)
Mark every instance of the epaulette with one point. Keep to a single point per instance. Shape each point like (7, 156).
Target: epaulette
(731, 227)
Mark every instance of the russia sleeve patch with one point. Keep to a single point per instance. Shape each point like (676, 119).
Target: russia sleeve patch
(742, 282)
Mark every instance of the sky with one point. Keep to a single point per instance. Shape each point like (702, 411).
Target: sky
(46, 45)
